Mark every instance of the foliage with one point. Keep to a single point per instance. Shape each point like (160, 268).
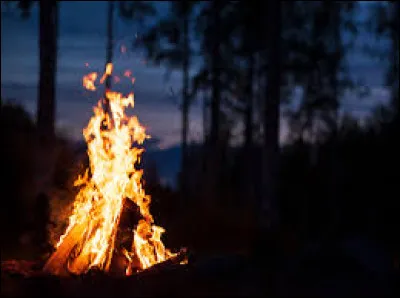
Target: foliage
(136, 11)
(21, 160)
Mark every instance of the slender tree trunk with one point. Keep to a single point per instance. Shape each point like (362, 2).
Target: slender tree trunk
(266, 247)
(46, 105)
(259, 96)
(271, 118)
(46, 109)
(313, 85)
(213, 169)
(334, 187)
(250, 100)
(395, 59)
(248, 159)
(185, 104)
(109, 50)
(205, 115)
(205, 131)
(215, 61)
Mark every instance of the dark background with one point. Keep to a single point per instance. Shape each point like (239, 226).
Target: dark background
(273, 127)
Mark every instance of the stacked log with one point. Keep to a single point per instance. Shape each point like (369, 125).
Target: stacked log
(57, 263)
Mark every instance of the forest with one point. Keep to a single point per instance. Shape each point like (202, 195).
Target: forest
(305, 213)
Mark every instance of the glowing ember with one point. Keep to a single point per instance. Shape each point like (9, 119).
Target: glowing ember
(109, 69)
(111, 179)
(127, 73)
(88, 81)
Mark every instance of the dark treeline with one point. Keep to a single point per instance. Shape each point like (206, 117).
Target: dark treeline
(241, 190)
(325, 180)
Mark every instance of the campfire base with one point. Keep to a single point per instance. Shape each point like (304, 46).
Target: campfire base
(168, 264)
(56, 265)
(201, 278)
(20, 278)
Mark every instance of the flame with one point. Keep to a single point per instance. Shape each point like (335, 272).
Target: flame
(109, 69)
(112, 178)
(127, 73)
(88, 81)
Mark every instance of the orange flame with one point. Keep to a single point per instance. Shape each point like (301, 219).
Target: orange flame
(127, 73)
(109, 69)
(88, 81)
(112, 178)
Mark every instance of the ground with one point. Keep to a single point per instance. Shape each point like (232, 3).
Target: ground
(321, 275)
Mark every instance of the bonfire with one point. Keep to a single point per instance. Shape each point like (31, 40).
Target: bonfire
(109, 185)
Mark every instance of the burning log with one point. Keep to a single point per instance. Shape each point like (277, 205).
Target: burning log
(101, 208)
(80, 264)
(130, 215)
(56, 264)
(180, 258)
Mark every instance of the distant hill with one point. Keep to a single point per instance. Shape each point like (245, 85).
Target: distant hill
(168, 163)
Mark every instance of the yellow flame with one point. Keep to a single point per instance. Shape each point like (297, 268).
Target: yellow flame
(88, 81)
(109, 69)
(112, 178)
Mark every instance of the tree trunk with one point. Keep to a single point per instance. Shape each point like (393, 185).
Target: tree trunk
(267, 246)
(205, 112)
(205, 115)
(48, 21)
(249, 109)
(271, 118)
(248, 159)
(185, 105)
(213, 169)
(109, 51)
(215, 69)
(334, 195)
(395, 59)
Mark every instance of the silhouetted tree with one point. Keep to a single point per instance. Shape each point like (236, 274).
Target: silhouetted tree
(168, 42)
(271, 114)
(109, 49)
(48, 34)
(384, 22)
(216, 76)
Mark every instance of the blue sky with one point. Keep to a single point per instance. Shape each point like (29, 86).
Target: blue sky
(82, 38)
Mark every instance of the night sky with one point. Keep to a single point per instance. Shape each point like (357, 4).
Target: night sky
(82, 39)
